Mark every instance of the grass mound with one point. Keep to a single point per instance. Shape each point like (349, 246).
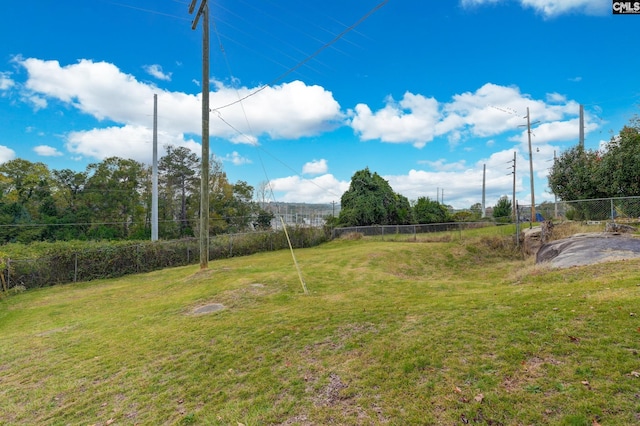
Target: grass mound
(391, 332)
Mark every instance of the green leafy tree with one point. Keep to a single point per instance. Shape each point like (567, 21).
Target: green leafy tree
(114, 195)
(370, 200)
(618, 170)
(426, 210)
(476, 211)
(178, 189)
(502, 210)
(575, 175)
(263, 219)
(26, 199)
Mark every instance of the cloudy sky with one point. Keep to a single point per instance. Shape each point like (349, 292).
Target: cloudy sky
(305, 93)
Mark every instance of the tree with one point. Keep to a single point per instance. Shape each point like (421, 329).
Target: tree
(574, 175)
(619, 174)
(426, 210)
(476, 211)
(180, 178)
(26, 199)
(502, 210)
(114, 196)
(370, 200)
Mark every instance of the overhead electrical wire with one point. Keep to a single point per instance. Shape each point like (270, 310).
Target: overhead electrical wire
(310, 57)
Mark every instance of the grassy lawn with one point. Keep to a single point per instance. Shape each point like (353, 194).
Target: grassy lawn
(391, 332)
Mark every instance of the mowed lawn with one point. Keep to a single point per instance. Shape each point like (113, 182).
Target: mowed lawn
(391, 332)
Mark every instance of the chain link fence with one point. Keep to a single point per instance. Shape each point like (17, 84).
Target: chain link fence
(623, 209)
(409, 230)
(114, 261)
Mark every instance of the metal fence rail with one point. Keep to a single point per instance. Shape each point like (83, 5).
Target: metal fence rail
(382, 230)
(108, 262)
(622, 209)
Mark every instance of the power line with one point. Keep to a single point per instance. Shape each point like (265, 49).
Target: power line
(155, 12)
(310, 57)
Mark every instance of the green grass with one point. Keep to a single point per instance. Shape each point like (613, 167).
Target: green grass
(390, 333)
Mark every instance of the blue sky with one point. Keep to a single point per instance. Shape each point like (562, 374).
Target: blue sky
(424, 93)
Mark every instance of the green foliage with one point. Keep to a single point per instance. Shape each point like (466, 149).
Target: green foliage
(370, 200)
(44, 264)
(426, 210)
(580, 174)
(111, 200)
(502, 211)
(618, 171)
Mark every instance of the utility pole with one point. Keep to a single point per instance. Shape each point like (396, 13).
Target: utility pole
(204, 178)
(513, 207)
(154, 173)
(581, 132)
(484, 179)
(555, 196)
(533, 197)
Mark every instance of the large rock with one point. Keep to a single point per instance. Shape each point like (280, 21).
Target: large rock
(586, 249)
(534, 238)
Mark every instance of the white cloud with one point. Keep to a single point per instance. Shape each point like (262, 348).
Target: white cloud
(38, 102)
(412, 120)
(460, 187)
(6, 154)
(291, 110)
(489, 111)
(315, 167)
(552, 8)
(131, 141)
(6, 82)
(47, 151)
(156, 71)
(442, 165)
(556, 98)
(321, 189)
(287, 111)
(236, 159)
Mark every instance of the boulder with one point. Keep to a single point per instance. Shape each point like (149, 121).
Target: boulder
(587, 249)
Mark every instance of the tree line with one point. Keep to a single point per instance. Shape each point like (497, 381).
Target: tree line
(370, 200)
(612, 171)
(111, 199)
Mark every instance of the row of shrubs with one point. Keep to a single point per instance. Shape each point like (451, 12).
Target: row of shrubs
(45, 264)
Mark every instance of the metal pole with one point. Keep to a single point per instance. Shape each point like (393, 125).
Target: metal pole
(484, 180)
(555, 196)
(514, 208)
(154, 172)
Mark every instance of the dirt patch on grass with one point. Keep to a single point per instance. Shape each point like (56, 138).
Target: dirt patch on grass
(207, 309)
(329, 395)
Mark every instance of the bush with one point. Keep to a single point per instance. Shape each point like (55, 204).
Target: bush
(46, 264)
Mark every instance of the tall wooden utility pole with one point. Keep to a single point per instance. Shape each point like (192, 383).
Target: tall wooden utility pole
(533, 197)
(204, 178)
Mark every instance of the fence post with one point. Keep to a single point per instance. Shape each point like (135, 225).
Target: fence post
(8, 272)
(75, 267)
(613, 217)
